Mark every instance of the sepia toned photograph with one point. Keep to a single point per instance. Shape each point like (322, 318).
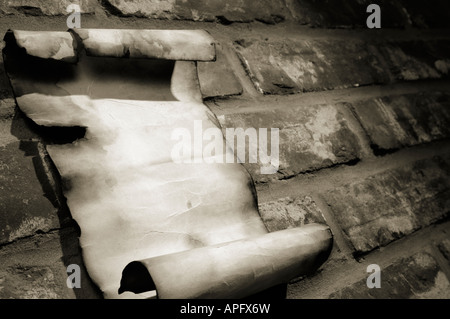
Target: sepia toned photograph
(251, 152)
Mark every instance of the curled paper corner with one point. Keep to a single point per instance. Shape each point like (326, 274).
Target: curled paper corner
(56, 45)
(231, 270)
(195, 228)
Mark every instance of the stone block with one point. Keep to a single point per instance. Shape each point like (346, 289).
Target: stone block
(392, 204)
(415, 277)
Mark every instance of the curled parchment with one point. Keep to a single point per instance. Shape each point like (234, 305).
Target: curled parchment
(183, 230)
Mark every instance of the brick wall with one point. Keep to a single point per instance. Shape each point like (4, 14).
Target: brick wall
(364, 119)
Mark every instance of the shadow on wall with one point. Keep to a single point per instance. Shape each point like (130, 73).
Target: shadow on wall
(27, 132)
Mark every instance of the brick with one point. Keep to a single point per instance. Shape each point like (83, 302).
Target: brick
(28, 283)
(204, 10)
(290, 212)
(43, 7)
(444, 247)
(393, 122)
(217, 78)
(344, 14)
(36, 267)
(286, 67)
(392, 204)
(23, 189)
(414, 60)
(415, 277)
(310, 138)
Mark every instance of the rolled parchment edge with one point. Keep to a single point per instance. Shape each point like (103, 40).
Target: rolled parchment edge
(177, 45)
(180, 45)
(232, 270)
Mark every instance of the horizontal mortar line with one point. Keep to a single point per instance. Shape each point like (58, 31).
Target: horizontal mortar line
(351, 272)
(35, 234)
(329, 178)
(273, 102)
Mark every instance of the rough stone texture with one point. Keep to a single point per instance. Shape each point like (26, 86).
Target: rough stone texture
(36, 268)
(392, 122)
(416, 277)
(290, 212)
(310, 137)
(414, 60)
(23, 204)
(286, 67)
(332, 14)
(392, 204)
(203, 10)
(43, 7)
(217, 78)
(444, 248)
(28, 283)
(30, 199)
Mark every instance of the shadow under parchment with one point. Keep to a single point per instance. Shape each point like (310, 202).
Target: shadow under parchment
(96, 77)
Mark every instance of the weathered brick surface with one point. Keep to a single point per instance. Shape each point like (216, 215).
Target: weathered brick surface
(415, 277)
(310, 137)
(290, 212)
(23, 204)
(332, 14)
(204, 10)
(392, 204)
(36, 268)
(29, 283)
(43, 7)
(396, 121)
(414, 60)
(284, 67)
(30, 197)
(216, 78)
